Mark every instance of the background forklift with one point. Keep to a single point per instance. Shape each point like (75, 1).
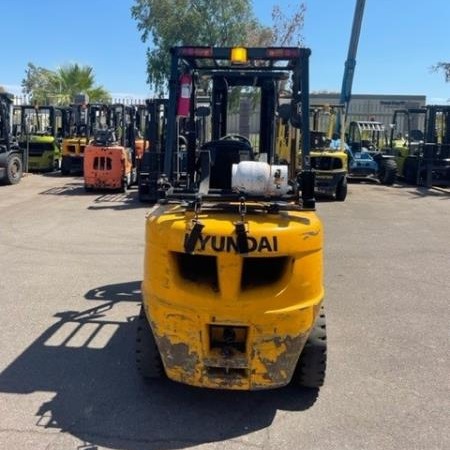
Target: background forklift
(233, 289)
(330, 164)
(141, 118)
(110, 159)
(424, 156)
(41, 130)
(11, 156)
(369, 155)
(84, 119)
(150, 180)
(405, 147)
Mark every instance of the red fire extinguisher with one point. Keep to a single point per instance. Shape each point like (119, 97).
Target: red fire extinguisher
(184, 99)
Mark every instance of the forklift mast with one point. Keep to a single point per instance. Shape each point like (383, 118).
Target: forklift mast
(39, 112)
(156, 124)
(5, 117)
(262, 68)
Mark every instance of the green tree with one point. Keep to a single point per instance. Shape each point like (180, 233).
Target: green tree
(287, 28)
(208, 22)
(59, 87)
(444, 67)
(38, 83)
(188, 22)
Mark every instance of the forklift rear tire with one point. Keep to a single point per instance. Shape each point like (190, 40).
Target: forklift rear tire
(66, 166)
(124, 186)
(410, 172)
(14, 169)
(143, 197)
(148, 359)
(388, 172)
(312, 364)
(341, 190)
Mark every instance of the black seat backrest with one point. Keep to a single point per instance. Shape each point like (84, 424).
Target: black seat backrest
(224, 153)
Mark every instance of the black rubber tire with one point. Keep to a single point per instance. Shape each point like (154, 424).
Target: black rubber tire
(148, 359)
(123, 187)
(65, 166)
(14, 169)
(341, 190)
(312, 364)
(410, 171)
(142, 196)
(388, 172)
(145, 197)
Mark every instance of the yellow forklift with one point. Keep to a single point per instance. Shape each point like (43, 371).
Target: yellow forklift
(233, 271)
(329, 158)
(83, 120)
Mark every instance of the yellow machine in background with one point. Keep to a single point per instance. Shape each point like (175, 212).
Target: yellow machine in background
(329, 158)
(233, 274)
(84, 119)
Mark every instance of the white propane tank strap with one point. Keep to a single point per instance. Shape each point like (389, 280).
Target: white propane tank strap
(259, 178)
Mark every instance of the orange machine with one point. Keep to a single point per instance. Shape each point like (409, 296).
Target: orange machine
(110, 160)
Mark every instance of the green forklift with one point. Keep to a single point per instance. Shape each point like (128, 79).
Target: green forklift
(423, 156)
(40, 138)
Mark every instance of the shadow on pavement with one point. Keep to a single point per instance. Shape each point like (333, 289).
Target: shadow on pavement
(424, 192)
(117, 201)
(66, 189)
(54, 174)
(87, 359)
(129, 292)
(105, 199)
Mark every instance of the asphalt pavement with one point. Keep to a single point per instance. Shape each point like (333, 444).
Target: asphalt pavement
(70, 270)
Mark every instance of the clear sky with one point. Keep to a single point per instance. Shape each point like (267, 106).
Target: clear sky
(400, 40)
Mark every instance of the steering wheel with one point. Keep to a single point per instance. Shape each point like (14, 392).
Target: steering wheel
(236, 137)
(182, 140)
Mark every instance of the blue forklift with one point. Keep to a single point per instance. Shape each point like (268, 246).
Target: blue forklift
(370, 157)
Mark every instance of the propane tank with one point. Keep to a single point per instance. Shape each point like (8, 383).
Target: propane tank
(260, 178)
(184, 99)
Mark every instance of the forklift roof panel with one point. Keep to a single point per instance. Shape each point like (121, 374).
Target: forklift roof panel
(256, 58)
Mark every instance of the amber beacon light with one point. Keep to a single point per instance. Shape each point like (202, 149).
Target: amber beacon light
(239, 55)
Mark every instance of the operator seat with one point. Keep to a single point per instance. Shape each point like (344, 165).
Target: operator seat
(223, 154)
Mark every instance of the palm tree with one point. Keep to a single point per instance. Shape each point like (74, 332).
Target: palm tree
(72, 79)
(60, 87)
